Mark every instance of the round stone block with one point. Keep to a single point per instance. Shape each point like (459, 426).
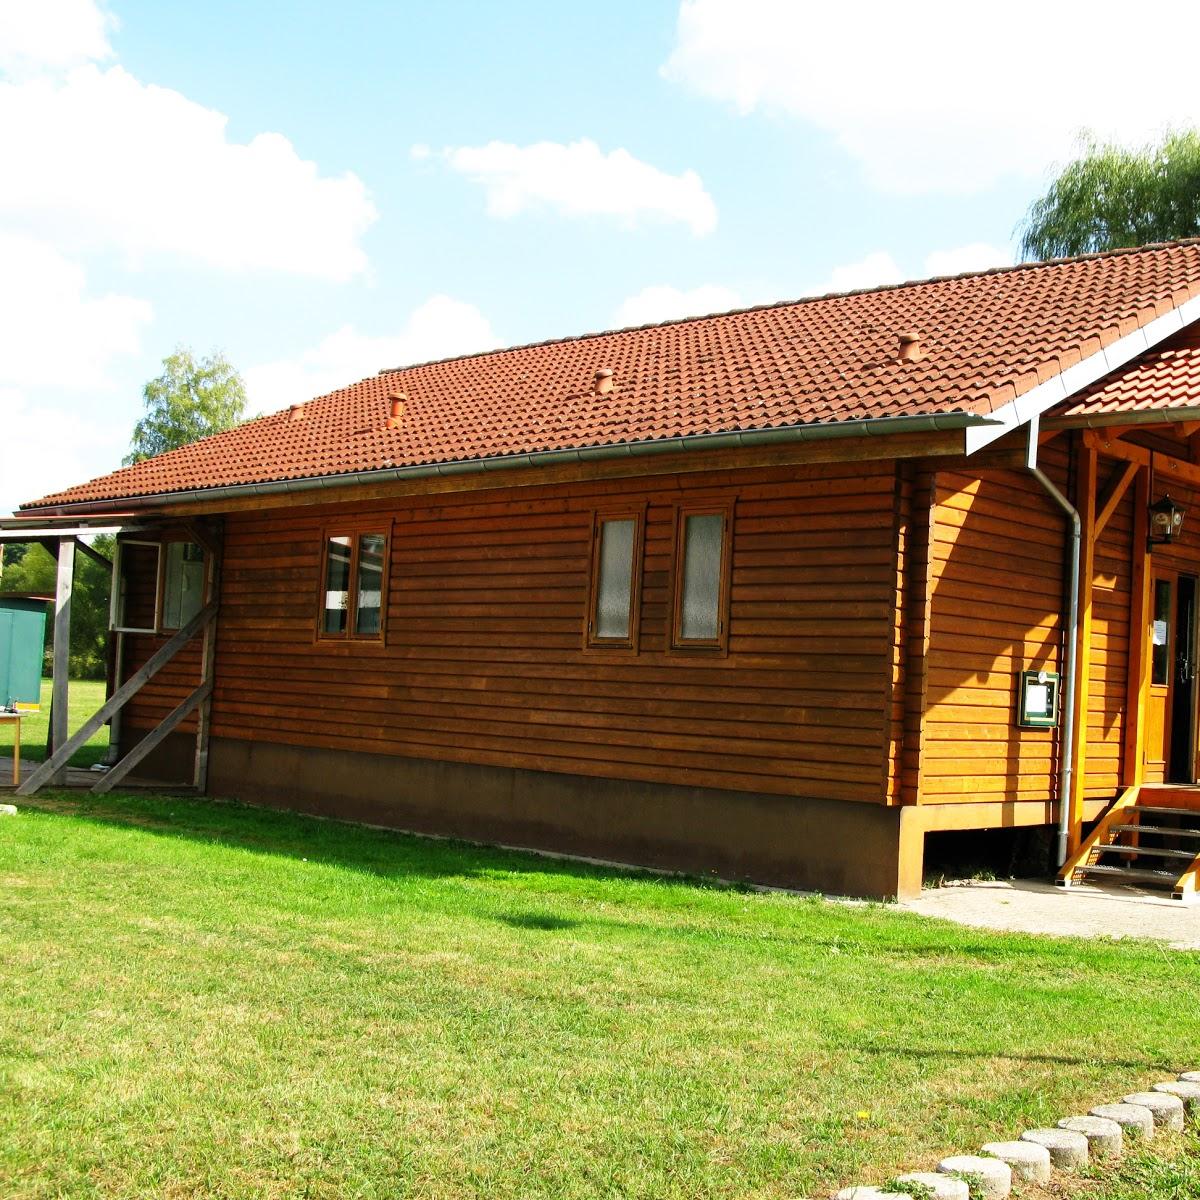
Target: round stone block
(1167, 1109)
(1188, 1092)
(939, 1187)
(988, 1178)
(8, 810)
(1027, 1160)
(1135, 1119)
(869, 1193)
(1103, 1134)
(1189, 1077)
(1068, 1149)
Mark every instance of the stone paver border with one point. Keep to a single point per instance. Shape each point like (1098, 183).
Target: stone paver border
(1100, 1136)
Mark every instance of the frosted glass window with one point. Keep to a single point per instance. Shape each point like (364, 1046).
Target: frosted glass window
(614, 587)
(700, 577)
(370, 584)
(337, 584)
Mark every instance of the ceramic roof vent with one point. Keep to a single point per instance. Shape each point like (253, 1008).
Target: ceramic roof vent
(295, 412)
(910, 346)
(602, 384)
(398, 401)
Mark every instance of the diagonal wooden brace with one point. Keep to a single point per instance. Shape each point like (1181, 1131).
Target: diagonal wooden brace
(118, 772)
(159, 659)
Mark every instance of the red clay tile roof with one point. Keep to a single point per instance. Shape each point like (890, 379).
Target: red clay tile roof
(986, 338)
(1165, 377)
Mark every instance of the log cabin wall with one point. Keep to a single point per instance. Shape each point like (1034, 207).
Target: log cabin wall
(484, 659)
(996, 594)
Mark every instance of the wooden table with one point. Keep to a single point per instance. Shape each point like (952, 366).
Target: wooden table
(15, 718)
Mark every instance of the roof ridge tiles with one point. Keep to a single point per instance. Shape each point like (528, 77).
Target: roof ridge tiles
(769, 306)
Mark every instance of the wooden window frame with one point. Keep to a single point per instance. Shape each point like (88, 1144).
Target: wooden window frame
(354, 530)
(629, 643)
(115, 597)
(701, 646)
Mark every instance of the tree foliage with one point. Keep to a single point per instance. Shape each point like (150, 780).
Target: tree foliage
(1114, 196)
(31, 569)
(190, 400)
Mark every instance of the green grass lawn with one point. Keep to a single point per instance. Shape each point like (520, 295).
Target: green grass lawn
(206, 1000)
(86, 696)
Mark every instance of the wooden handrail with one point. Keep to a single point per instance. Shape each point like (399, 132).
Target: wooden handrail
(154, 664)
(1120, 806)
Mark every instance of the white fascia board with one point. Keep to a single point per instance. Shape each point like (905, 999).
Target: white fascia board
(1074, 379)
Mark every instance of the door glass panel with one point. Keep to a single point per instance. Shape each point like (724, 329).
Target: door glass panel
(702, 545)
(337, 584)
(1160, 634)
(614, 587)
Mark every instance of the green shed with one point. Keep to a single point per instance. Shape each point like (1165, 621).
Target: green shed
(22, 644)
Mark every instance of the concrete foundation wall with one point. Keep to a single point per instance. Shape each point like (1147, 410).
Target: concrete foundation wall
(824, 845)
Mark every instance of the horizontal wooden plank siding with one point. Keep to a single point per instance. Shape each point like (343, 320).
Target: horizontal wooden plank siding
(483, 660)
(997, 551)
(1112, 581)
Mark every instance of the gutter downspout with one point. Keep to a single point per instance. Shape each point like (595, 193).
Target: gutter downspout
(1067, 741)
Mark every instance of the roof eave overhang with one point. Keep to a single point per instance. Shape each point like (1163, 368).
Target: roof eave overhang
(1073, 380)
(817, 431)
(1132, 418)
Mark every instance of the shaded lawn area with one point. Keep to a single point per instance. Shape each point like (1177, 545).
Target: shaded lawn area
(200, 999)
(85, 697)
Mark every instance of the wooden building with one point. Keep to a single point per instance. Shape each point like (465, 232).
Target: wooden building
(771, 595)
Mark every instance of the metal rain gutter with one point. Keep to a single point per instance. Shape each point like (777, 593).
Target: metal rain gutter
(876, 426)
(1067, 741)
(1152, 416)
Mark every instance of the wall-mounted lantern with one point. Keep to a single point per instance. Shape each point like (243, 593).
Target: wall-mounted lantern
(1166, 520)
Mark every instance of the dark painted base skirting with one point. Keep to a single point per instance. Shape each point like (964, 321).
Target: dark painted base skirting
(831, 846)
(172, 761)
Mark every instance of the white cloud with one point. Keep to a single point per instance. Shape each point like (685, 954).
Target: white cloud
(440, 328)
(880, 269)
(40, 34)
(580, 180)
(48, 447)
(939, 95)
(665, 303)
(876, 270)
(100, 160)
(56, 338)
(52, 332)
(978, 256)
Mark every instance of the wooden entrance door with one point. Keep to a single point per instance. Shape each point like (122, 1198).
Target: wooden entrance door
(1170, 728)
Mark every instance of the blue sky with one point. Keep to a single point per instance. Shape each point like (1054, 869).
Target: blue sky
(442, 178)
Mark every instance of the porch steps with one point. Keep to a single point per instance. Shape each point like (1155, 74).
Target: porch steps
(1150, 836)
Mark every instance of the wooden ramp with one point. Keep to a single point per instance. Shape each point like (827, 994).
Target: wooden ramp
(1149, 837)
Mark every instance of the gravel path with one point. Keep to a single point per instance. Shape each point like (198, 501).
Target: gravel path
(1034, 906)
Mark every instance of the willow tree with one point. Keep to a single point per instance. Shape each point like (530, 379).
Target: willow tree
(1115, 196)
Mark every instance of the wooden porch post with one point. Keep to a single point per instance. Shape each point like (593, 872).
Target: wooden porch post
(62, 648)
(1087, 572)
(1133, 759)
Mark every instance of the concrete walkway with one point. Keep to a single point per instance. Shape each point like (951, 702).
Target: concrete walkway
(1035, 906)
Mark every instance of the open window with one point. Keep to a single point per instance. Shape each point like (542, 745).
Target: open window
(616, 579)
(700, 573)
(135, 594)
(354, 584)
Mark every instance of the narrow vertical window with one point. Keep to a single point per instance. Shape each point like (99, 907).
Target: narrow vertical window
(337, 584)
(1160, 635)
(701, 579)
(616, 576)
(369, 587)
(353, 585)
